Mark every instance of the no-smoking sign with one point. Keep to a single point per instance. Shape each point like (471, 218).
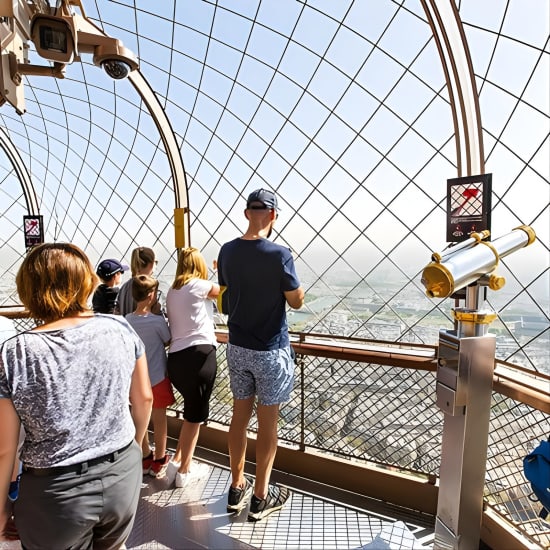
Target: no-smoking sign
(34, 230)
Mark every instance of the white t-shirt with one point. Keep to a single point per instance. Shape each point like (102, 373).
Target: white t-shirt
(190, 315)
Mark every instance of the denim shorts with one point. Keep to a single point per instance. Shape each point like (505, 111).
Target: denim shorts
(267, 374)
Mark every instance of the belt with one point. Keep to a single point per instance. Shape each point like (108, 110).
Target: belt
(80, 468)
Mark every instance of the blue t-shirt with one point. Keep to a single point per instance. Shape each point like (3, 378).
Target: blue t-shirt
(256, 274)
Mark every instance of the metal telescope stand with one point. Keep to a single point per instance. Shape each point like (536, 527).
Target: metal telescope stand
(463, 392)
(465, 367)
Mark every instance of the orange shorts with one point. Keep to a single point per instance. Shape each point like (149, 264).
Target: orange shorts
(163, 396)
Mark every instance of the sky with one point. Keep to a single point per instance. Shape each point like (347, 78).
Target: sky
(340, 107)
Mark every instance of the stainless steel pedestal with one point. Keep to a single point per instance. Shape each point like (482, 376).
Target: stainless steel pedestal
(464, 389)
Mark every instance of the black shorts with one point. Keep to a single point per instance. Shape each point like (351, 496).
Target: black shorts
(192, 372)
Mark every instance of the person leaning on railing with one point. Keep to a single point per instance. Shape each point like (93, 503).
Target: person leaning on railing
(260, 280)
(142, 262)
(68, 382)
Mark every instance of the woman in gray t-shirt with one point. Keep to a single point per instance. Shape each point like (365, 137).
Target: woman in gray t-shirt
(69, 382)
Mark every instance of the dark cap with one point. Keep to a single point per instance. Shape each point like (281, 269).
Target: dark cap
(107, 268)
(267, 198)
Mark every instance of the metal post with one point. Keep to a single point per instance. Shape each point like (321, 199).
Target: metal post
(464, 388)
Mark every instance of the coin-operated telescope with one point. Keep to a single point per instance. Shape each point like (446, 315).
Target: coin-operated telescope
(472, 261)
(464, 381)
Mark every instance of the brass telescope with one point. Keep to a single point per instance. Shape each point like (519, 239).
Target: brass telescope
(472, 260)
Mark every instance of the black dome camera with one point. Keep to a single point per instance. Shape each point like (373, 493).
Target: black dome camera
(116, 68)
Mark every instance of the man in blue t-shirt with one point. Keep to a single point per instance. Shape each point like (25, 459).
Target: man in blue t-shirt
(260, 280)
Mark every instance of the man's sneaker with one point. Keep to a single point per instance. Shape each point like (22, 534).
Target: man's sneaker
(159, 466)
(262, 507)
(238, 496)
(146, 463)
(196, 472)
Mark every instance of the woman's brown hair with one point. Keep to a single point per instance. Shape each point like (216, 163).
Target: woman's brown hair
(191, 265)
(141, 258)
(55, 281)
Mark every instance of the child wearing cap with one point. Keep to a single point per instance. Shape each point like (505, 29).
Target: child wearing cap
(105, 296)
(155, 334)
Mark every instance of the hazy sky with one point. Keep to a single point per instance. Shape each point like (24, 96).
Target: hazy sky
(340, 107)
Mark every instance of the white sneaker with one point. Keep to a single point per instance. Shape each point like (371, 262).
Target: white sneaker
(171, 471)
(197, 471)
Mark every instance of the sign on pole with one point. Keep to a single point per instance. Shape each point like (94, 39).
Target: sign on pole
(34, 230)
(468, 206)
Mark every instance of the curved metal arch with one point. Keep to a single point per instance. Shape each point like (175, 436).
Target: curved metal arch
(181, 196)
(181, 193)
(452, 45)
(22, 173)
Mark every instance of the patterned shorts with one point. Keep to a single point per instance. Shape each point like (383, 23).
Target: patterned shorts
(267, 374)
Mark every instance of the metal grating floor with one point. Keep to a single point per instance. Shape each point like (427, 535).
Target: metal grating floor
(196, 517)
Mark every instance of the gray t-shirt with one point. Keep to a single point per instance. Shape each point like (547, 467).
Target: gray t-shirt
(70, 388)
(125, 302)
(155, 334)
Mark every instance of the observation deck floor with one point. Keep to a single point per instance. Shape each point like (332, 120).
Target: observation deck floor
(316, 516)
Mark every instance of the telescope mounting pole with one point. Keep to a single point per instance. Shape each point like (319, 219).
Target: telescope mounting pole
(464, 389)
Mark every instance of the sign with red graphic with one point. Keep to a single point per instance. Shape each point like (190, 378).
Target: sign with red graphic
(34, 230)
(468, 206)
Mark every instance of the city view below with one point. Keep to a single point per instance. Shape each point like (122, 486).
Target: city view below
(365, 313)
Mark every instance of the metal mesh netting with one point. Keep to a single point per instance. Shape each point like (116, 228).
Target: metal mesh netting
(388, 416)
(341, 108)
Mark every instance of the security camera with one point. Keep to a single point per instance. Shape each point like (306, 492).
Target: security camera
(116, 69)
(62, 38)
(116, 60)
(60, 35)
(53, 37)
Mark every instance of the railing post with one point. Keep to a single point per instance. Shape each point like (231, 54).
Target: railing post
(300, 364)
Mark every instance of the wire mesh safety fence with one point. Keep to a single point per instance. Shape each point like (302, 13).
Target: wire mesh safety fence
(350, 125)
(387, 415)
(515, 430)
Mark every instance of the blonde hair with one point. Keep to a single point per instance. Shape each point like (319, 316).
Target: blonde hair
(142, 285)
(141, 258)
(191, 265)
(55, 281)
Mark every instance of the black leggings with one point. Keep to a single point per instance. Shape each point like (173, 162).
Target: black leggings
(192, 372)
